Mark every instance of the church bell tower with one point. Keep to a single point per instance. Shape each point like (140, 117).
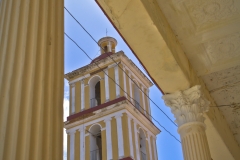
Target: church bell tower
(109, 110)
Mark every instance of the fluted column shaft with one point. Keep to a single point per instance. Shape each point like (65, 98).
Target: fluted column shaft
(31, 79)
(188, 107)
(194, 142)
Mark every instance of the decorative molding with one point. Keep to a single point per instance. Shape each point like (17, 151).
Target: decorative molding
(107, 119)
(103, 62)
(187, 106)
(205, 12)
(79, 79)
(119, 115)
(223, 48)
(147, 125)
(112, 65)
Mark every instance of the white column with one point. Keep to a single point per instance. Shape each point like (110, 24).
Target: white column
(82, 143)
(108, 138)
(109, 46)
(120, 135)
(72, 98)
(72, 144)
(188, 107)
(106, 84)
(130, 86)
(149, 146)
(155, 148)
(143, 100)
(124, 81)
(136, 141)
(130, 137)
(149, 108)
(117, 81)
(82, 95)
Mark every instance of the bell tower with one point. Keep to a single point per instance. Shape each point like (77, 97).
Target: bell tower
(109, 110)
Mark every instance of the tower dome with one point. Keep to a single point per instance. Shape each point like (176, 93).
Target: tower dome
(107, 44)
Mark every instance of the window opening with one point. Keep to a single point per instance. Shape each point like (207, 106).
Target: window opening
(95, 91)
(95, 143)
(98, 93)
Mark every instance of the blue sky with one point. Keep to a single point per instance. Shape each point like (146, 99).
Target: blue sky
(92, 18)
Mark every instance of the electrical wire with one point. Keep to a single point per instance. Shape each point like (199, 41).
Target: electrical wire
(120, 67)
(119, 86)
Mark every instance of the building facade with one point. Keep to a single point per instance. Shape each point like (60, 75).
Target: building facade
(110, 115)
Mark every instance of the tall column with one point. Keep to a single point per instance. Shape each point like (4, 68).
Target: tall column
(72, 98)
(130, 86)
(137, 146)
(149, 146)
(149, 108)
(82, 95)
(116, 73)
(120, 136)
(130, 137)
(72, 144)
(82, 143)
(188, 107)
(106, 84)
(143, 100)
(155, 148)
(31, 79)
(109, 138)
(124, 81)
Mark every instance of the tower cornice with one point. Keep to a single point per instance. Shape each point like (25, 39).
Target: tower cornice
(103, 63)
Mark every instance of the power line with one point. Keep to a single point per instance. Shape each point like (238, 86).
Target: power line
(120, 67)
(120, 86)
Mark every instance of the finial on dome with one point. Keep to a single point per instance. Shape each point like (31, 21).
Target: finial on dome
(107, 44)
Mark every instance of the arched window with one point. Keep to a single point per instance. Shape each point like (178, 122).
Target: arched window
(142, 146)
(95, 142)
(95, 91)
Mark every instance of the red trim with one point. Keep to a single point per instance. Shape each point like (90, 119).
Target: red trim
(102, 56)
(90, 110)
(127, 158)
(95, 108)
(129, 47)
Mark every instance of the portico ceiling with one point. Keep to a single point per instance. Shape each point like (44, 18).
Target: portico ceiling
(182, 43)
(209, 33)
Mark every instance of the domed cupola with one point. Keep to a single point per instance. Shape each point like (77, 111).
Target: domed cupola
(107, 44)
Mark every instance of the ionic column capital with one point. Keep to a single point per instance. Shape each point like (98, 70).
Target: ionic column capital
(188, 105)
(107, 119)
(118, 115)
